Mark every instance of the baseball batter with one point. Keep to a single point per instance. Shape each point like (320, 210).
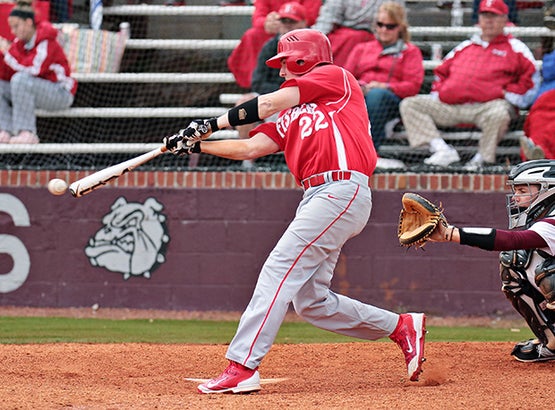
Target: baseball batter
(527, 261)
(323, 131)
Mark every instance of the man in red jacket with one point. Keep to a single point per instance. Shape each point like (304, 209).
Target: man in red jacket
(34, 73)
(481, 81)
(265, 25)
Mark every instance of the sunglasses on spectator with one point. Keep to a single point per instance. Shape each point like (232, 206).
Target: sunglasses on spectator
(387, 26)
(288, 21)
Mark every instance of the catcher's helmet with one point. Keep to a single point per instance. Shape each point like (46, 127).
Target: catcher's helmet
(541, 173)
(303, 49)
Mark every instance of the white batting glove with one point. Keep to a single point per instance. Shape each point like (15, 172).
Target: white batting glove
(196, 131)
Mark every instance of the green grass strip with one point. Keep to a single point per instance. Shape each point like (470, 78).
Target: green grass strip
(20, 330)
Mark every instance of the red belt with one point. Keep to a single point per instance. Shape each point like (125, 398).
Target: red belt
(320, 179)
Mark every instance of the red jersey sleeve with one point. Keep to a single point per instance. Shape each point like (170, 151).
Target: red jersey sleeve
(269, 129)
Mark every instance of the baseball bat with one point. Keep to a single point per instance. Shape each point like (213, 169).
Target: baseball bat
(97, 180)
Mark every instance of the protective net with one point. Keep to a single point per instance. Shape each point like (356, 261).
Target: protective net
(153, 68)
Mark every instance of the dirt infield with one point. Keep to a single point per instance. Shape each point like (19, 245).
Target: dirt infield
(328, 376)
(311, 376)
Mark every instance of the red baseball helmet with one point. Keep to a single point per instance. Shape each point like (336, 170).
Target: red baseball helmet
(303, 50)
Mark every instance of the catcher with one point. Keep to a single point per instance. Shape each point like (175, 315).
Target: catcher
(527, 258)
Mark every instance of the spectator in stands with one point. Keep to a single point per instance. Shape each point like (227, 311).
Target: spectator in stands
(480, 82)
(41, 10)
(265, 25)
(347, 23)
(34, 73)
(548, 74)
(388, 68)
(539, 128)
(265, 79)
(512, 14)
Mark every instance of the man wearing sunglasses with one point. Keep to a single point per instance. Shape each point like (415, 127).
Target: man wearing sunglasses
(482, 81)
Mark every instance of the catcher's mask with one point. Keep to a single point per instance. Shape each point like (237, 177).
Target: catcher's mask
(302, 49)
(540, 173)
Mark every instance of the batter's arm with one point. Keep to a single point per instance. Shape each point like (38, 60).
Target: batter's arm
(257, 146)
(272, 103)
(260, 107)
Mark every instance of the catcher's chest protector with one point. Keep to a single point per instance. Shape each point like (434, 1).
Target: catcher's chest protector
(516, 270)
(544, 270)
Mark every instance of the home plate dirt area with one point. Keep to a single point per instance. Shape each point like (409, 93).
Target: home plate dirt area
(309, 376)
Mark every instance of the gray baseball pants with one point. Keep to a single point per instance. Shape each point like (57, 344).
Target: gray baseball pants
(300, 269)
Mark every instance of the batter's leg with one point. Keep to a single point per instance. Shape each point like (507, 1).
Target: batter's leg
(323, 308)
(325, 219)
(340, 314)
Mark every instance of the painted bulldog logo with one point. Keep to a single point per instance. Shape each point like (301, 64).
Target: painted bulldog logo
(133, 240)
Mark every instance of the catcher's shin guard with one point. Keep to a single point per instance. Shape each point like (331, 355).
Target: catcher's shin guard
(529, 303)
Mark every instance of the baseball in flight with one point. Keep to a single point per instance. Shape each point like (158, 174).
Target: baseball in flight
(57, 186)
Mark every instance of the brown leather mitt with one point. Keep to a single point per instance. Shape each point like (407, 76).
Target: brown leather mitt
(418, 219)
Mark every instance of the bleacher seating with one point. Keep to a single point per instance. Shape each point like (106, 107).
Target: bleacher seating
(189, 95)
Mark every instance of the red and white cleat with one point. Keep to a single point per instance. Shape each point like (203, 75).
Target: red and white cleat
(235, 379)
(409, 335)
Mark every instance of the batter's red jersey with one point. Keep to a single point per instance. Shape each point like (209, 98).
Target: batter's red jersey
(329, 129)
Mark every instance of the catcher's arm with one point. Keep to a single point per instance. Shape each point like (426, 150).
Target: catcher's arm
(422, 221)
(445, 233)
(483, 238)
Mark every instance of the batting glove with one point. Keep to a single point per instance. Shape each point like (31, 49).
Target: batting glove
(196, 131)
(180, 147)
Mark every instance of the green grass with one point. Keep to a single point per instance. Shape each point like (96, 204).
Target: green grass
(18, 330)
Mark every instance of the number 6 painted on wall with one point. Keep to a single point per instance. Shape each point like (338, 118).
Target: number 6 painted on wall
(13, 246)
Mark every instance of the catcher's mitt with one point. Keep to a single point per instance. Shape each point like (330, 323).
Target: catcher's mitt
(418, 219)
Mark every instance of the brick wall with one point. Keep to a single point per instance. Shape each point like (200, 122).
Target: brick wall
(266, 180)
